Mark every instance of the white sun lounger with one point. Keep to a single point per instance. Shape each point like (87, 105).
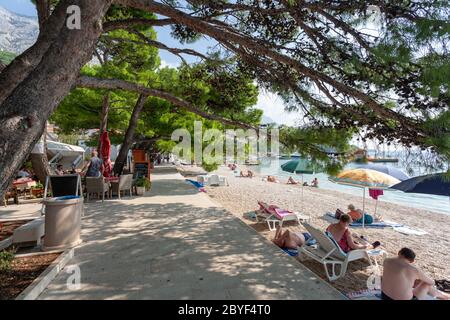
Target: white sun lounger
(330, 254)
(277, 216)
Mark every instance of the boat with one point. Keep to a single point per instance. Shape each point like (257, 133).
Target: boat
(382, 159)
(290, 156)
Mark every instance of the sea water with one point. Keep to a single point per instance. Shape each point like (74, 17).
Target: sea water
(440, 204)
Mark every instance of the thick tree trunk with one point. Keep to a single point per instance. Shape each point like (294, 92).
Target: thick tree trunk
(24, 112)
(43, 10)
(103, 122)
(39, 161)
(129, 135)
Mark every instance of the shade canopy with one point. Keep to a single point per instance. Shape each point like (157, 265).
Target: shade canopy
(394, 172)
(364, 178)
(298, 166)
(436, 184)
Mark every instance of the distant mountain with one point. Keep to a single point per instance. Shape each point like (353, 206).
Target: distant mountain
(267, 120)
(17, 32)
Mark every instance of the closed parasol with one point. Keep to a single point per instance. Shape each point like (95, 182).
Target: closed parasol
(105, 153)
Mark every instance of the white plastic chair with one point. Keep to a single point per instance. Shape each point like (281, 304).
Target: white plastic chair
(330, 254)
(214, 180)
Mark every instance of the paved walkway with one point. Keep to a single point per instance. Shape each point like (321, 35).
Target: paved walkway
(177, 244)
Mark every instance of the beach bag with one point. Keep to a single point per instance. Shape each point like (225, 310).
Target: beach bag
(443, 285)
(338, 213)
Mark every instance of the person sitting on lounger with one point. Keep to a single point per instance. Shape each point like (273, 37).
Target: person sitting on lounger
(403, 281)
(343, 236)
(291, 181)
(289, 239)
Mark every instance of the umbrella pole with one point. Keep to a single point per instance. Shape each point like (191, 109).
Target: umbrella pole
(376, 205)
(302, 192)
(364, 205)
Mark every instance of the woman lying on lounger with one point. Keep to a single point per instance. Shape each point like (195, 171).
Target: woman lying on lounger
(289, 239)
(248, 175)
(343, 236)
(292, 181)
(272, 179)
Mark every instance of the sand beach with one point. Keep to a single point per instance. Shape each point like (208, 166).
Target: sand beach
(432, 249)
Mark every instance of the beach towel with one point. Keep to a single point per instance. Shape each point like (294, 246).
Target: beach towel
(374, 193)
(443, 285)
(382, 224)
(197, 184)
(410, 231)
(291, 252)
(281, 213)
(367, 294)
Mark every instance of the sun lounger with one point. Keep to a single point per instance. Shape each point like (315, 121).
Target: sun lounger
(32, 231)
(328, 253)
(274, 215)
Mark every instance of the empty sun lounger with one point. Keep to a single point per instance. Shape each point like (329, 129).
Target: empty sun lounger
(32, 231)
(273, 215)
(330, 254)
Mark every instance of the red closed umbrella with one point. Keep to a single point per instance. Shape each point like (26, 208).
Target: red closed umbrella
(106, 149)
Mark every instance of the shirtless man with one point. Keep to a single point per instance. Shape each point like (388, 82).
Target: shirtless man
(403, 281)
(288, 239)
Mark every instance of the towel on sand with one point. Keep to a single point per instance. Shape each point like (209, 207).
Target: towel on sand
(382, 224)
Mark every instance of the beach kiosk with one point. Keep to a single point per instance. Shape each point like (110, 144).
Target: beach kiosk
(141, 164)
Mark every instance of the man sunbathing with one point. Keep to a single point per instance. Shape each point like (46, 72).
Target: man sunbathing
(291, 181)
(403, 281)
(248, 175)
(289, 239)
(272, 179)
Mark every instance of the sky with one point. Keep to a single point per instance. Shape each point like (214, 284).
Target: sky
(270, 103)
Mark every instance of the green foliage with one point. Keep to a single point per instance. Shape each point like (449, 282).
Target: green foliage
(209, 167)
(6, 258)
(312, 143)
(144, 182)
(6, 57)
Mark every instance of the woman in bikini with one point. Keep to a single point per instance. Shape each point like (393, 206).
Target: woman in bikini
(343, 236)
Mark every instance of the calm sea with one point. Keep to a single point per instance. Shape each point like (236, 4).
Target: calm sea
(440, 204)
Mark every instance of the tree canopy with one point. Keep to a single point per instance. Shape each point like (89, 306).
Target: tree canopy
(345, 65)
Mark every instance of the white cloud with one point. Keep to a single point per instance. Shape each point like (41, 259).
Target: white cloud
(273, 107)
(165, 64)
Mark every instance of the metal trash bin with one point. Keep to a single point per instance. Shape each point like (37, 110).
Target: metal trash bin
(62, 222)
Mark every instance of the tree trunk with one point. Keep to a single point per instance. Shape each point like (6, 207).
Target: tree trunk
(129, 135)
(45, 87)
(39, 161)
(43, 10)
(103, 123)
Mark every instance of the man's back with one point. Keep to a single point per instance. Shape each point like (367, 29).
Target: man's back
(94, 167)
(398, 279)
